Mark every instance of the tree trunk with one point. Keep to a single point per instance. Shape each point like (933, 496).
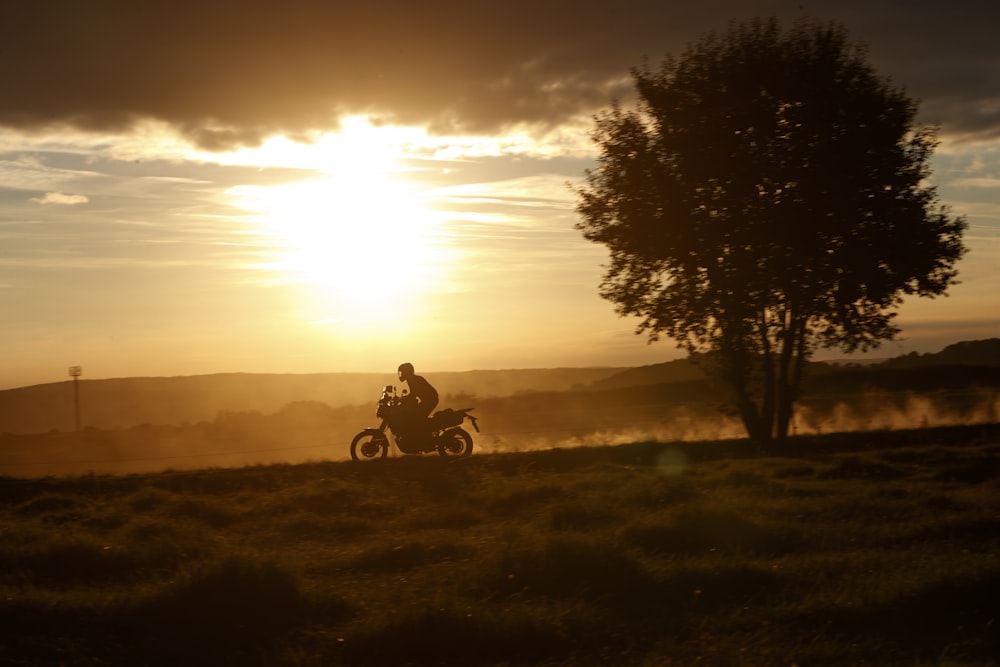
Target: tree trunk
(785, 395)
(737, 369)
(756, 424)
(791, 377)
(770, 395)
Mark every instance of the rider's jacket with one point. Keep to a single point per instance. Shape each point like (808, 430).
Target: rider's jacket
(425, 394)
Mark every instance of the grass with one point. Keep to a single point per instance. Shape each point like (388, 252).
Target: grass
(860, 549)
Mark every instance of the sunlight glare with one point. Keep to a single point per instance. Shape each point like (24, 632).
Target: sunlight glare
(357, 236)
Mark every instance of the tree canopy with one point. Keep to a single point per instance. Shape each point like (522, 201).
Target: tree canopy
(767, 195)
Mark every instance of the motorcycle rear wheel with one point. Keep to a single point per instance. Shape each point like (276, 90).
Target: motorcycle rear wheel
(369, 444)
(455, 443)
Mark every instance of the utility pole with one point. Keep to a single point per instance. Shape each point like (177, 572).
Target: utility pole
(75, 372)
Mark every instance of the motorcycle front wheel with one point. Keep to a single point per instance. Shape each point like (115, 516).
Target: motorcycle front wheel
(369, 444)
(455, 443)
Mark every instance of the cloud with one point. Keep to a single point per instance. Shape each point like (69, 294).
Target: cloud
(61, 199)
(231, 72)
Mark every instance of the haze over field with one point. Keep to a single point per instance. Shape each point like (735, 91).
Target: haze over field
(134, 425)
(191, 188)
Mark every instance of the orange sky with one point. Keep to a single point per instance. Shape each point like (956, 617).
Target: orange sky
(235, 206)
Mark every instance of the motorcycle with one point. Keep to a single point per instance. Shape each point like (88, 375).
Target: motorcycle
(441, 432)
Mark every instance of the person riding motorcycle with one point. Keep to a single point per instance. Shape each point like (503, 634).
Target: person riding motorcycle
(423, 397)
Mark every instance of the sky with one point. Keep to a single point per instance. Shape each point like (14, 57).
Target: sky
(327, 186)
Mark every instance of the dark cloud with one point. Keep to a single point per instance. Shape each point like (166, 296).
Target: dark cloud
(231, 71)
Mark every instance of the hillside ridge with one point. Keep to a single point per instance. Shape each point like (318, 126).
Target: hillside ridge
(178, 400)
(974, 353)
(125, 402)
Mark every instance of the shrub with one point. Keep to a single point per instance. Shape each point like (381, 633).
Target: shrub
(710, 531)
(230, 611)
(573, 566)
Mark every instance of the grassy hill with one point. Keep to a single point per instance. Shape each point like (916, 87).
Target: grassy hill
(976, 353)
(864, 549)
(839, 400)
(967, 353)
(126, 402)
(679, 370)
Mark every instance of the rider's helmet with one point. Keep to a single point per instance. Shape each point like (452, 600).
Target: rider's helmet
(405, 371)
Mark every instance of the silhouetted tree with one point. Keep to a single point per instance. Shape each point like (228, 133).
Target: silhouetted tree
(767, 196)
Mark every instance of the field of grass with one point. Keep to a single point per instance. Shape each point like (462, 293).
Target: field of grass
(855, 549)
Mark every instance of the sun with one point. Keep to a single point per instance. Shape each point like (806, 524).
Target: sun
(357, 236)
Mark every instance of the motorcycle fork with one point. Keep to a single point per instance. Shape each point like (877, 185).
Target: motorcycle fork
(389, 436)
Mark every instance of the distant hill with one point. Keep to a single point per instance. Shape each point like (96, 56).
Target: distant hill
(679, 370)
(970, 353)
(125, 402)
